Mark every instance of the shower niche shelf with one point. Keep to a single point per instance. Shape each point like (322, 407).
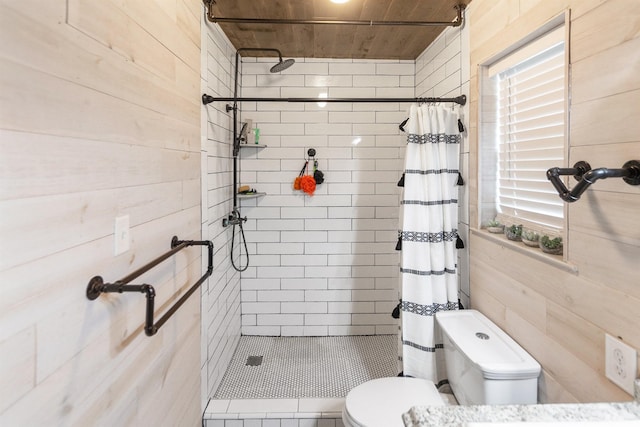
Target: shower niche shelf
(250, 196)
(253, 146)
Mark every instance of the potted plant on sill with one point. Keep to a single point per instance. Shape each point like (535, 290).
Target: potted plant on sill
(514, 233)
(494, 226)
(551, 245)
(530, 238)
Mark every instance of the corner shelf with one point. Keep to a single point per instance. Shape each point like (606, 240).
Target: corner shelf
(250, 196)
(253, 145)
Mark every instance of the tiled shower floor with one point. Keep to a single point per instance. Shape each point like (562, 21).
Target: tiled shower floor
(307, 367)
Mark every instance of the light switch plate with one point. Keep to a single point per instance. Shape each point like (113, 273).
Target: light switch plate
(121, 235)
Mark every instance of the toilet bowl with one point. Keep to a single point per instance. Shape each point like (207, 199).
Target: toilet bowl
(484, 367)
(382, 402)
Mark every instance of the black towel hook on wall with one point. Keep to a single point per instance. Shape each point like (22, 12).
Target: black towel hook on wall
(97, 287)
(586, 176)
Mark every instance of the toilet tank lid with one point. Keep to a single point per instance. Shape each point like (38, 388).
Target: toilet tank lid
(487, 346)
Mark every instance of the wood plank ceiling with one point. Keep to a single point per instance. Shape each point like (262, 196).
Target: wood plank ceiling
(336, 41)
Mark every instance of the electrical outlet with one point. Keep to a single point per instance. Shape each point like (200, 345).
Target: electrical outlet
(121, 235)
(620, 363)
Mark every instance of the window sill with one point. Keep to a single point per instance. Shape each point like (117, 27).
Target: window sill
(554, 260)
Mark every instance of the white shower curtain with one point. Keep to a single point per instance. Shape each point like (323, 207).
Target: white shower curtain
(428, 230)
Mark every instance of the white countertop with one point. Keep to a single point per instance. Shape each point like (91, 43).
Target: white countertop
(623, 414)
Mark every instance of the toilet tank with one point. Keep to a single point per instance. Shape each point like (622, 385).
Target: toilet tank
(484, 365)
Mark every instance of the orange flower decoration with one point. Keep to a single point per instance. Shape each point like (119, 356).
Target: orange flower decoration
(308, 184)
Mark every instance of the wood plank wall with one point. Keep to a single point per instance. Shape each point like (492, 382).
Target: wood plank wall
(559, 316)
(100, 118)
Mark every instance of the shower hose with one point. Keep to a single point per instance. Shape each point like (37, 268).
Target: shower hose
(236, 213)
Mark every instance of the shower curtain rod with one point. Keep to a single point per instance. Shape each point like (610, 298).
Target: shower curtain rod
(456, 23)
(207, 99)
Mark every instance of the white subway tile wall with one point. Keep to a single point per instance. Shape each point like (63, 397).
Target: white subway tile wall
(324, 264)
(221, 320)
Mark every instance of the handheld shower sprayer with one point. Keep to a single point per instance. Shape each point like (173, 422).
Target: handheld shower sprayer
(243, 132)
(235, 219)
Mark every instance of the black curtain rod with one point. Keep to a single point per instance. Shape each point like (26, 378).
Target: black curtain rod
(216, 19)
(207, 99)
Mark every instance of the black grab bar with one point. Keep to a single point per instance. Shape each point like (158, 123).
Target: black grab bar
(96, 285)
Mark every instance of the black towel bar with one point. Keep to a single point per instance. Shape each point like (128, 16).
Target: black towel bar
(582, 172)
(97, 286)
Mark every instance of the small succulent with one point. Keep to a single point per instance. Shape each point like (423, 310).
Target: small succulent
(530, 235)
(515, 230)
(550, 243)
(494, 223)
(530, 238)
(494, 226)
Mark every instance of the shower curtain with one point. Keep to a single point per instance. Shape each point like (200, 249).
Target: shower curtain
(428, 232)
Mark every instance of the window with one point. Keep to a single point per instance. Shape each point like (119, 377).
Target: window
(524, 133)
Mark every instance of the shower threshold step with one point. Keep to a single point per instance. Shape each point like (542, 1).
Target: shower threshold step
(305, 412)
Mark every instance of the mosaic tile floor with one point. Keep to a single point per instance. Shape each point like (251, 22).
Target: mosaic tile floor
(305, 367)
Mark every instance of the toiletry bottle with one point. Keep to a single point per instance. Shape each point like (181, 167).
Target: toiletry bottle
(257, 134)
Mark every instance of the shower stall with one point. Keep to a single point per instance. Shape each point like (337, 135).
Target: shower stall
(323, 268)
(322, 265)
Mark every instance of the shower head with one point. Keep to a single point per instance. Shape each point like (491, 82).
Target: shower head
(282, 65)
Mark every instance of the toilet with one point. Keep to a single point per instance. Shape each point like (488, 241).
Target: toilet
(484, 367)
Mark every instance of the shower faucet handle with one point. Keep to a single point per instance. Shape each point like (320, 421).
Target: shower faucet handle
(234, 218)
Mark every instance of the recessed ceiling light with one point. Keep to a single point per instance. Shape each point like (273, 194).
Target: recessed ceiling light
(339, 1)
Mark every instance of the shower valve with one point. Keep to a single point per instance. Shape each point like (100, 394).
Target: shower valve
(233, 219)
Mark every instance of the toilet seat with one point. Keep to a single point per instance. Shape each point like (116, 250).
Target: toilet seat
(382, 402)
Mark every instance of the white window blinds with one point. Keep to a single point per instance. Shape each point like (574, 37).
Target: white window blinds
(530, 87)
